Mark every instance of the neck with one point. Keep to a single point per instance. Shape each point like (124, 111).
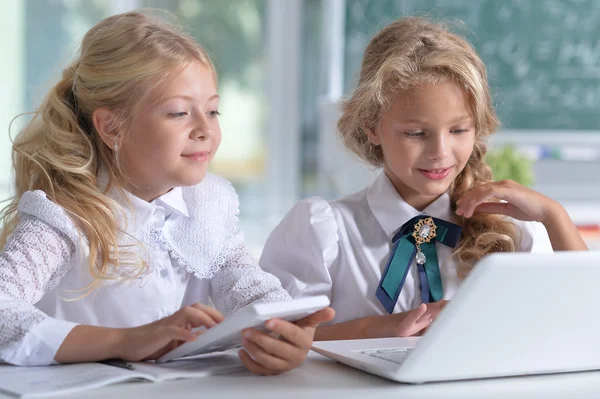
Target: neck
(410, 196)
(147, 193)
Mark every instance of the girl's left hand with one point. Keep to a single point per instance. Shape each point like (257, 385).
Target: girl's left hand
(266, 355)
(521, 203)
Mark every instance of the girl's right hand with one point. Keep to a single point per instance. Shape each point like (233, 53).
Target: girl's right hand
(413, 322)
(152, 340)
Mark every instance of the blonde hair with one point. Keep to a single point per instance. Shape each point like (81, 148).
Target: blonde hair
(122, 60)
(408, 53)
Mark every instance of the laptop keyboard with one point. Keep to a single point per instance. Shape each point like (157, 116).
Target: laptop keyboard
(394, 355)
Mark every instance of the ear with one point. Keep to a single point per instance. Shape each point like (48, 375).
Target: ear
(105, 123)
(373, 135)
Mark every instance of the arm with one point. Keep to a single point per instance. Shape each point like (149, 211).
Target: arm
(303, 250)
(353, 329)
(402, 324)
(240, 281)
(35, 259)
(563, 233)
(524, 204)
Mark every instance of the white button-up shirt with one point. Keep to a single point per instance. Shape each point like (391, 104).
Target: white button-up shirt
(341, 248)
(188, 238)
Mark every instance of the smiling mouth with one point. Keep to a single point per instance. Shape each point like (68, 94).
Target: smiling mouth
(436, 174)
(200, 156)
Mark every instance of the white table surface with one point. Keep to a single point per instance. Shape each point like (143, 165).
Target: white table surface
(320, 377)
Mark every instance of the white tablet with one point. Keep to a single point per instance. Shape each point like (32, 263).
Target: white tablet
(228, 333)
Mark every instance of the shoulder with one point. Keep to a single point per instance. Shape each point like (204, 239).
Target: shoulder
(314, 211)
(351, 206)
(309, 225)
(38, 205)
(317, 214)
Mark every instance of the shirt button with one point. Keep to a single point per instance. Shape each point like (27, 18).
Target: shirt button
(164, 273)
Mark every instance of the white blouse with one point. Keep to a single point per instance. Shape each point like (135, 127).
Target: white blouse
(193, 248)
(340, 249)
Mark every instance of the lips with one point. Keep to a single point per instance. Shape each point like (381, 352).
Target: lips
(436, 174)
(197, 156)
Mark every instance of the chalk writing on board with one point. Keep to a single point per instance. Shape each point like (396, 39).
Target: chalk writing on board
(543, 56)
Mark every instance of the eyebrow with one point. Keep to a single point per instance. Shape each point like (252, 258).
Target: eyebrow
(424, 122)
(189, 98)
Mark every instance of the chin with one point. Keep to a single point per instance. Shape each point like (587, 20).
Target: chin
(192, 179)
(434, 190)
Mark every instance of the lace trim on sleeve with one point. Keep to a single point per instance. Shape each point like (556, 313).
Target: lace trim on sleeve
(34, 261)
(241, 281)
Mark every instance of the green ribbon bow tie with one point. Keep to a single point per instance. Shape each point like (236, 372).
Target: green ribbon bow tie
(416, 239)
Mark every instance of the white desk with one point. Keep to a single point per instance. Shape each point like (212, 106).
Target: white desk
(320, 377)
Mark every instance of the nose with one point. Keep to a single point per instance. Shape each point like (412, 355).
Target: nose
(201, 133)
(439, 147)
(202, 129)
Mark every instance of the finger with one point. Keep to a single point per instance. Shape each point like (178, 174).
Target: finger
(212, 312)
(193, 316)
(415, 314)
(415, 321)
(296, 335)
(274, 346)
(253, 366)
(502, 190)
(322, 316)
(167, 339)
(265, 359)
(467, 207)
(177, 333)
(498, 208)
(415, 328)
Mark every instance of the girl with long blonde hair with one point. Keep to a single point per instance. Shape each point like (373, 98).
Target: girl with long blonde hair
(117, 236)
(390, 256)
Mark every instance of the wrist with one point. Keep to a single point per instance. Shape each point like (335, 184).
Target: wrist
(116, 339)
(555, 215)
(376, 327)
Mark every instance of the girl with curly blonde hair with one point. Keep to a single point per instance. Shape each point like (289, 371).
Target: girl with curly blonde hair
(390, 256)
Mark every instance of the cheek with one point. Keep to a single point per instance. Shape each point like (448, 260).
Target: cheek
(463, 151)
(217, 139)
(468, 146)
(401, 153)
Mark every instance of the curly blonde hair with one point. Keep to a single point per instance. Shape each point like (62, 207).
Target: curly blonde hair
(408, 53)
(122, 61)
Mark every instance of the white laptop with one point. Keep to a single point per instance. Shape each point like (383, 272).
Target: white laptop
(515, 314)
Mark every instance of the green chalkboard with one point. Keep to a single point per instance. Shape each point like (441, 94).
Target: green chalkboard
(543, 56)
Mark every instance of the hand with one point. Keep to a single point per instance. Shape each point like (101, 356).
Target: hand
(416, 321)
(151, 341)
(266, 354)
(521, 203)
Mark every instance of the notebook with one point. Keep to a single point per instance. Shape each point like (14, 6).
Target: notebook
(38, 382)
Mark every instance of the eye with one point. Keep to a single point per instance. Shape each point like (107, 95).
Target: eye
(177, 114)
(459, 131)
(414, 134)
(214, 114)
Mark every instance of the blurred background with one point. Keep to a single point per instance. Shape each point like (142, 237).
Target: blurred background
(285, 65)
